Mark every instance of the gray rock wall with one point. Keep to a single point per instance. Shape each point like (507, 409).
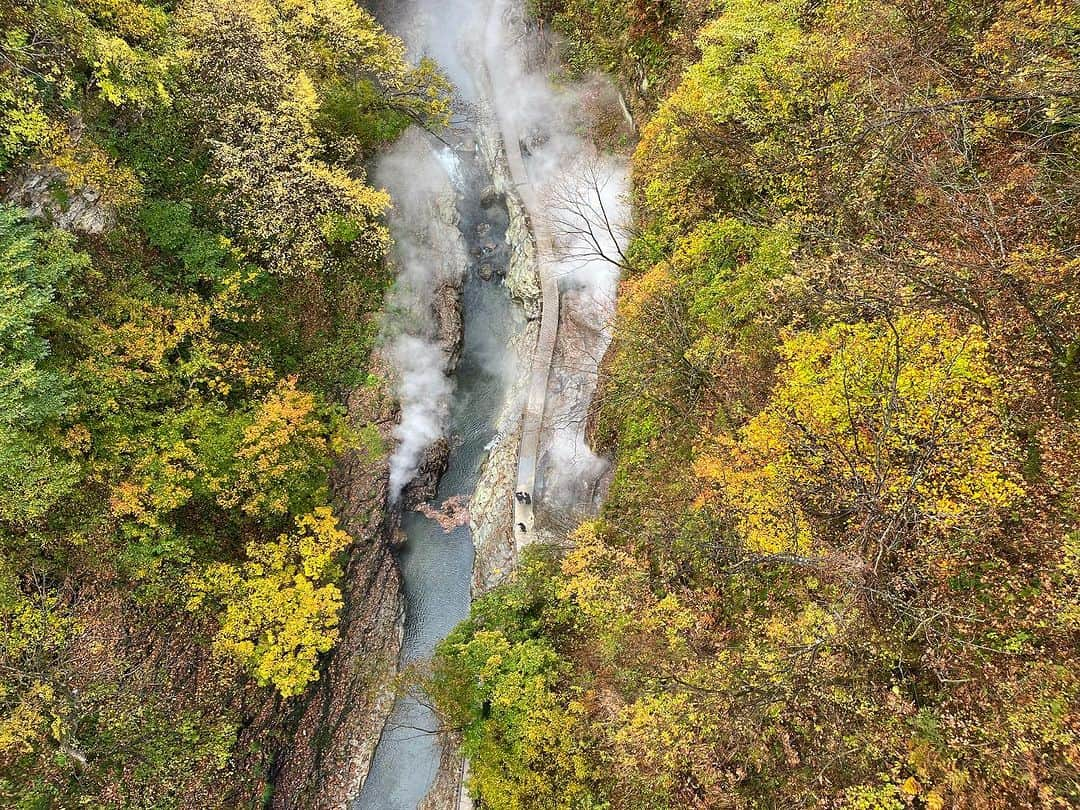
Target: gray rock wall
(45, 194)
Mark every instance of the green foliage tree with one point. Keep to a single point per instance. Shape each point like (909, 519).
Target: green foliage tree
(122, 52)
(499, 680)
(33, 264)
(34, 392)
(276, 193)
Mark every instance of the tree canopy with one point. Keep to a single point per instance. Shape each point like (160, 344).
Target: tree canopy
(836, 565)
(190, 271)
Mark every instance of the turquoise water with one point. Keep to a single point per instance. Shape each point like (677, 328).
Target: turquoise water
(436, 566)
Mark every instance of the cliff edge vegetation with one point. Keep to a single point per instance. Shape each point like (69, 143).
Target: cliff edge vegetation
(839, 562)
(190, 263)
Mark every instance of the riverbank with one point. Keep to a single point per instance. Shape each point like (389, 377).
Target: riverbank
(497, 441)
(464, 234)
(546, 411)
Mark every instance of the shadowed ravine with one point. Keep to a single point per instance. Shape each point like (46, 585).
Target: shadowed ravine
(436, 565)
(503, 94)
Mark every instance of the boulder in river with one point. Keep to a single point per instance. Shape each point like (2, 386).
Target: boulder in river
(490, 196)
(425, 483)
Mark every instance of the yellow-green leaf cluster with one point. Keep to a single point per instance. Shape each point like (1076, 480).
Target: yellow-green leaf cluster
(876, 432)
(279, 609)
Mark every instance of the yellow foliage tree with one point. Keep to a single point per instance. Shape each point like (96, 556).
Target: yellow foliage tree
(609, 592)
(283, 450)
(876, 432)
(276, 188)
(35, 631)
(279, 609)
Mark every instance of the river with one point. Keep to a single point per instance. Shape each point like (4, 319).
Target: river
(502, 90)
(436, 565)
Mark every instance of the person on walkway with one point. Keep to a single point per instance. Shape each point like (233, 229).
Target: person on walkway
(521, 526)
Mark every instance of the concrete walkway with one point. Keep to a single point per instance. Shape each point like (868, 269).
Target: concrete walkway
(533, 415)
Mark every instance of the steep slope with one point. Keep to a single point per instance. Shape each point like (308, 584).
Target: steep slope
(193, 438)
(837, 566)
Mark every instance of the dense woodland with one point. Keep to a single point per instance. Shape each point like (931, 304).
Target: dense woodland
(839, 563)
(171, 377)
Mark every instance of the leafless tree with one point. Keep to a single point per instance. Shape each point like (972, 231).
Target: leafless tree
(582, 215)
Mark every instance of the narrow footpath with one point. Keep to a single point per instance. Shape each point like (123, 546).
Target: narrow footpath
(536, 394)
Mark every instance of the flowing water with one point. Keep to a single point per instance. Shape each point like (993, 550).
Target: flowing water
(486, 49)
(436, 565)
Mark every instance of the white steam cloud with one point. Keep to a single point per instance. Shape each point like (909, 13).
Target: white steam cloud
(424, 391)
(485, 49)
(428, 253)
(588, 210)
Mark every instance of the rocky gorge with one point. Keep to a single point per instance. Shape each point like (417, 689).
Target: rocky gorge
(461, 222)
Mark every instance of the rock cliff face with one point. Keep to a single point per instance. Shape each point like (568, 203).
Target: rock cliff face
(521, 277)
(426, 481)
(46, 194)
(492, 506)
(342, 719)
(339, 724)
(447, 303)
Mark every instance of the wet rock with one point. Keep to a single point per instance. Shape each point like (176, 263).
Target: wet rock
(425, 483)
(533, 140)
(446, 306)
(486, 271)
(490, 196)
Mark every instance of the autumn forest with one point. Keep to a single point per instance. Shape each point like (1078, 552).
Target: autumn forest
(837, 563)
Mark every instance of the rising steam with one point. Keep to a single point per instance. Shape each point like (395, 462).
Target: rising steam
(483, 47)
(428, 253)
